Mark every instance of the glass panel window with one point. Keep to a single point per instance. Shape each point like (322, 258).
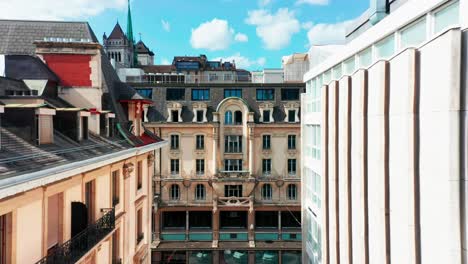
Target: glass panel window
(174, 141)
(291, 141)
(265, 94)
(200, 167)
(200, 94)
(228, 118)
(414, 34)
(174, 192)
(115, 188)
(233, 190)
(266, 257)
(292, 166)
(175, 94)
(292, 192)
(148, 93)
(266, 116)
(316, 142)
(200, 193)
(266, 143)
(267, 192)
(200, 142)
(316, 94)
(365, 58)
(326, 77)
(139, 175)
(289, 94)
(232, 93)
(233, 144)
(199, 115)
(266, 167)
(337, 72)
(174, 167)
(316, 189)
(446, 17)
(291, 116)
(233, 165)
(385, 48)
(349, 66)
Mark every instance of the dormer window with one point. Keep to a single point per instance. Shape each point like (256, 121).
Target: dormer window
(292, 112)
(199, 112)
(174, 110)
(266, 112)
(292, 116)
(266, 116)
(199, 116)
(175, 116)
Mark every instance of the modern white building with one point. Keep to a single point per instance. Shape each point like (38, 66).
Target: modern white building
(384, 140)
(268, 76)
(295, 66)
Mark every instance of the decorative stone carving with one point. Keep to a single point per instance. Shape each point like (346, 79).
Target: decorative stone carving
(186, 183)
(128, 169)
(292, 106)
(198, 106)
(174, 106)
(150, 159)
(279, 183)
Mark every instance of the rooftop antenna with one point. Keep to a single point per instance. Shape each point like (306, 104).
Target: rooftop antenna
(140, 35)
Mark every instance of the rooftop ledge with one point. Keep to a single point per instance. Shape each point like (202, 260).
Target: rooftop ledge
(28, 181)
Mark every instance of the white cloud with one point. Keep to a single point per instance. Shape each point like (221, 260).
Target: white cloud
(241, 37)
(212, 35)
(166, 25)
(165, 61)
(244, 62)
(307, 25)
(325, 34)
(275, 30)
(56, 10)
(313, 2)
(263, 3)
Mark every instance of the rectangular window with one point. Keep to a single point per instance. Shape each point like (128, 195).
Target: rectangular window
(291, 141)
(232, 93)
(116, 246)
(200, 142)
(289, 94)
(266, 116)
(174, 220)
(174, 141)
(349, 66)
(265, 94)
(148, 93)
(337, 72)
(213, 77)
(316, 142)
(233, 165)
(233, 144)
(266, 219)
(139, 175)
(228, 77)
(291, 116)
(5, 238)
(200, 219)
(175, 116)
(316, 94)
(385, 48)
(174, 167)
(316, 189)
(140, 233)
(199, 114)
(175, 94)
(446, 17)
(365, 58)
(90, 199)
(266, 166)
(200, 164)
(233, 190)
(414, 34)
(326, 77)
(292, 166)
(266, 143)
(200, 94)
(115, 188)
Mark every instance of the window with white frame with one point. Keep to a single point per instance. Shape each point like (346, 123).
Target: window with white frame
(316, 142)
(174, 166)
(292, 166)
(446, 16)
(292, 192)
(291, 142)
(200, 193)
(174, 141)
(200, 167)
(228, 118)
(174, 194)
(267, 192)
(200, 142)
(266, 166)
(233, 144)
(266, 142)
(316, 94)
(233, 190)
(233, 165)
(316, 190)
(316, 240)
(414, 34)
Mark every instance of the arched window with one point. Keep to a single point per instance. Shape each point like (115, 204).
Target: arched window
(237, 117)
(292, 192)
(200, 193)
(266, 192)
(228, 118)
(175, 192)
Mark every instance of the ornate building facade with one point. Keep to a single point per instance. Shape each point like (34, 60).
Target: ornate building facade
(228, 187)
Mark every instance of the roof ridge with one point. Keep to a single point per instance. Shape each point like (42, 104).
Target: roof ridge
(45, 21)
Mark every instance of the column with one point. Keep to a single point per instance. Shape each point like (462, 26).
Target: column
(215, 149)
(157, 226)
(251, 144)
(251, 224)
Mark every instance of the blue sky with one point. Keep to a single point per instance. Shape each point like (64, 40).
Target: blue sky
(257, 33)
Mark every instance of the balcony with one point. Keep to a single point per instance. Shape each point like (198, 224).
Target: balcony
(75, 248)
(233, 174)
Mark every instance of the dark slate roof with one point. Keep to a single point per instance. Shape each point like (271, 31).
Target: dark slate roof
(25, 67)
(18, 36)
(158, 68)
(117, 32)
(11, 85)
(141, 48)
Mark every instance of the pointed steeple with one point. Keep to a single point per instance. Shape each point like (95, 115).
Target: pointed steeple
(129, 25)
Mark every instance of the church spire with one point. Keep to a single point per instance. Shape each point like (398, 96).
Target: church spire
(129, 25)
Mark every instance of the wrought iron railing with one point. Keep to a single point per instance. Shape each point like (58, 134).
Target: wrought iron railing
(75, 248)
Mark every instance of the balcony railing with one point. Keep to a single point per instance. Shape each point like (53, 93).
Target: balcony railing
(75, 248)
